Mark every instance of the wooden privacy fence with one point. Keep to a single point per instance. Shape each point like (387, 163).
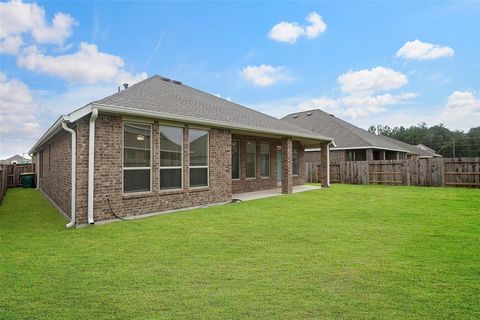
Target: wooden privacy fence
(3, 181)
(10, 176)
(14, 171)
(460, 172)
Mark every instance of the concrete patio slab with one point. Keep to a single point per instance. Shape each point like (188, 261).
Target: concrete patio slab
(270, 193)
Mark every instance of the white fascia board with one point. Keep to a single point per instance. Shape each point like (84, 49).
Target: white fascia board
(174, 117)
(56, 127)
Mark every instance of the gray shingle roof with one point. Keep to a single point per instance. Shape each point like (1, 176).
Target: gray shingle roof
(158, 94)
(345, 135)
(411, 149)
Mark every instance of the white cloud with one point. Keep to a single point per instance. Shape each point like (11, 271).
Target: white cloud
(364, 82)
(18, 122)
(18, 18)
(418, 50)
(462, 111)
(264, 75)
(87, 65)
(356, 106)
(10, 44)
(290, 31)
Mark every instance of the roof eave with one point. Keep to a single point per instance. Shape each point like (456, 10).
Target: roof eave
(173, 117)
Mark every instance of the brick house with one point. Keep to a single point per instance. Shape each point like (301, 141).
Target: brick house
(160, 145)
(352, 143)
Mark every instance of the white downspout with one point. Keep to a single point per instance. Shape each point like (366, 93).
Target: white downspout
(91, 163)
(74, 173)
(328, 163)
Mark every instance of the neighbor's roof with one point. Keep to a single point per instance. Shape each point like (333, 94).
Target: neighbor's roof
(420, 150)
(346, 135)
(161, 98)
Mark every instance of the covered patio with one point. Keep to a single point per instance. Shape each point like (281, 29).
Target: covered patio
(246, 196)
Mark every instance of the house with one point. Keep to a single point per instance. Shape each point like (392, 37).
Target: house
(160, 145)
(419, 151)
(16, 159)
(353, 143)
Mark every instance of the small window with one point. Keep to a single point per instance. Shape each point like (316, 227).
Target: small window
(251, 159)
(171, 150)
(136, 157)
(198, 151)
(295, 160)
(235, 159)
(265, 160)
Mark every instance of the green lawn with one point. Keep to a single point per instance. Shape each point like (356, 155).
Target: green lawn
(346, 252)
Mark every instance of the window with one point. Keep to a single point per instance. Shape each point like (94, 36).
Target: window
(264, 160)
(251, 159)
(235, 159)
(295, 160)
(136, 157)
(198, 150)
(171, 149)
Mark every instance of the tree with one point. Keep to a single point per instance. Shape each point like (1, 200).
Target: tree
(439, 138)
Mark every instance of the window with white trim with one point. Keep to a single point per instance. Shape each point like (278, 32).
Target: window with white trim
(235, 159)
(137, 168)
(295, 160)
(251, 160)
(265, 160)
(171, 155)
(198, 157)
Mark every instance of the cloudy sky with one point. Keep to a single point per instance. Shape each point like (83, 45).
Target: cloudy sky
(395, 63)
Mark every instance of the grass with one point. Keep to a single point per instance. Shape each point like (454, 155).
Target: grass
(346, 252)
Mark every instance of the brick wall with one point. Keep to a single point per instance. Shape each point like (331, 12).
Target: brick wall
(109, 174)
(56, 169)
(262, 183)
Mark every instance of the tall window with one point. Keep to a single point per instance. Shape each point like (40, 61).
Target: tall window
(136, 157)
(235, 159)
(171, 149)
(251, 159)
(265, 160)
(198, 148)
(295, 160)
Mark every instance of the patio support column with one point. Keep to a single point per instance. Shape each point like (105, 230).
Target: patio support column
(369, 154)
(287, 181)
(324, 168)
(382, 154)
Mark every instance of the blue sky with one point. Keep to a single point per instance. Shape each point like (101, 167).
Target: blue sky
(395, 63)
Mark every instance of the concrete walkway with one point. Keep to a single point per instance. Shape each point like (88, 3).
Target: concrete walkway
(270, 193)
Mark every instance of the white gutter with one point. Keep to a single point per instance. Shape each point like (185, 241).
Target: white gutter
(74, 173)
(91, 163)
(181, 118)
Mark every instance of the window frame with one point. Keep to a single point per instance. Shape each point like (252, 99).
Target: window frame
(136, 168)
(246, 160)
(268, 160)
(239, 158)
(169, 167)
(298, 160)
(199, 167)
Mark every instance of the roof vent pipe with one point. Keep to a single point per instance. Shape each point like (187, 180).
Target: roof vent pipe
(309, 114)
(74, 176)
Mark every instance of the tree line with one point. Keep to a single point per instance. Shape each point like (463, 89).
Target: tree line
(448, 143)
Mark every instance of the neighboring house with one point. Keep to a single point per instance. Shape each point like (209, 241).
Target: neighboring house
(414, 151)
(353, 143)
(16, 159)
(161, 145)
